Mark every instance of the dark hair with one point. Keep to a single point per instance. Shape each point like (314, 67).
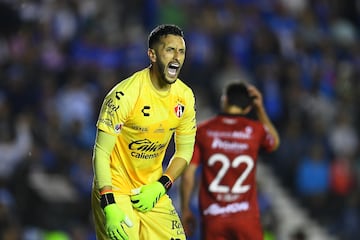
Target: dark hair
(237, 94)
(163, 30)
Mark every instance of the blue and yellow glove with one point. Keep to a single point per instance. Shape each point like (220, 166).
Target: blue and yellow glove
(114, 217)
(148, 195)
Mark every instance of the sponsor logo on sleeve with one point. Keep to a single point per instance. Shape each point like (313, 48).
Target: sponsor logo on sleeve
(118, 127)
(107, 122)
(111, 106)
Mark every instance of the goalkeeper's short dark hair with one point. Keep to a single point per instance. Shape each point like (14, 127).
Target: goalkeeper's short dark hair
(238, 95)
(163, 30)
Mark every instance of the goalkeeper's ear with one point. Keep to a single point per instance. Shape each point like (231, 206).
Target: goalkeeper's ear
(152, 55)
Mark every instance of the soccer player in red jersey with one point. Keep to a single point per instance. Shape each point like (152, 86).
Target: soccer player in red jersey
(227, 148)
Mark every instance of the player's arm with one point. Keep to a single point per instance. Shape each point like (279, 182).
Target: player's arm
(114, 216)
(187, 185)
(262, 115)
(184, 140)
(182, 156)
(104, 145)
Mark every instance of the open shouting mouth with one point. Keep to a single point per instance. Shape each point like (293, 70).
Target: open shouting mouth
(173, 69)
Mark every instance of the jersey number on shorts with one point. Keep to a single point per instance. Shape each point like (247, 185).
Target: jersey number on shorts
(226, 165)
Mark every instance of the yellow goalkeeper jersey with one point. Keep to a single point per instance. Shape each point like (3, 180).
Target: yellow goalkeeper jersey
(144, 120)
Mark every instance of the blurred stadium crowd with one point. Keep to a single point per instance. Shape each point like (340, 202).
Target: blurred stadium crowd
(59, 58)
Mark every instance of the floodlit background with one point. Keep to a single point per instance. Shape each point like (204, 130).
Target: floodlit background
(58, 59)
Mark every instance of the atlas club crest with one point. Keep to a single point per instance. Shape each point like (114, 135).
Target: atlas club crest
(179, 110)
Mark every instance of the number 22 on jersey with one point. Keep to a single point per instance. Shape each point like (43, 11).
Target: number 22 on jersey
(226, 166)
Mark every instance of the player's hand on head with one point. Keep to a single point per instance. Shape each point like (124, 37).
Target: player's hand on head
(115, 217)
(147, 196)
(256, 94)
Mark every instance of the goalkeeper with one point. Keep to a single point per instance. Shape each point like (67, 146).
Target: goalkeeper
(137, 120)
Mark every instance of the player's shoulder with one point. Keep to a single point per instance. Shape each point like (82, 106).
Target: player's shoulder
(206, 123)
(235, 120)
(134, 81)
(182, 87)
(255, 122)
(130, 85)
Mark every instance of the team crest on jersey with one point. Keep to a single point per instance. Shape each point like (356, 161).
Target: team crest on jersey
(179, 110)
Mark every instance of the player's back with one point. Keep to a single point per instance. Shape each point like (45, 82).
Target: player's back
(227, 148)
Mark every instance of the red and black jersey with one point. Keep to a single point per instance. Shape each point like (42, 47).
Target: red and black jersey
(227, 148)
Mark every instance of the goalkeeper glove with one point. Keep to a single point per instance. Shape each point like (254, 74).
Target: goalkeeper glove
(148, 195)
(114, 217)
